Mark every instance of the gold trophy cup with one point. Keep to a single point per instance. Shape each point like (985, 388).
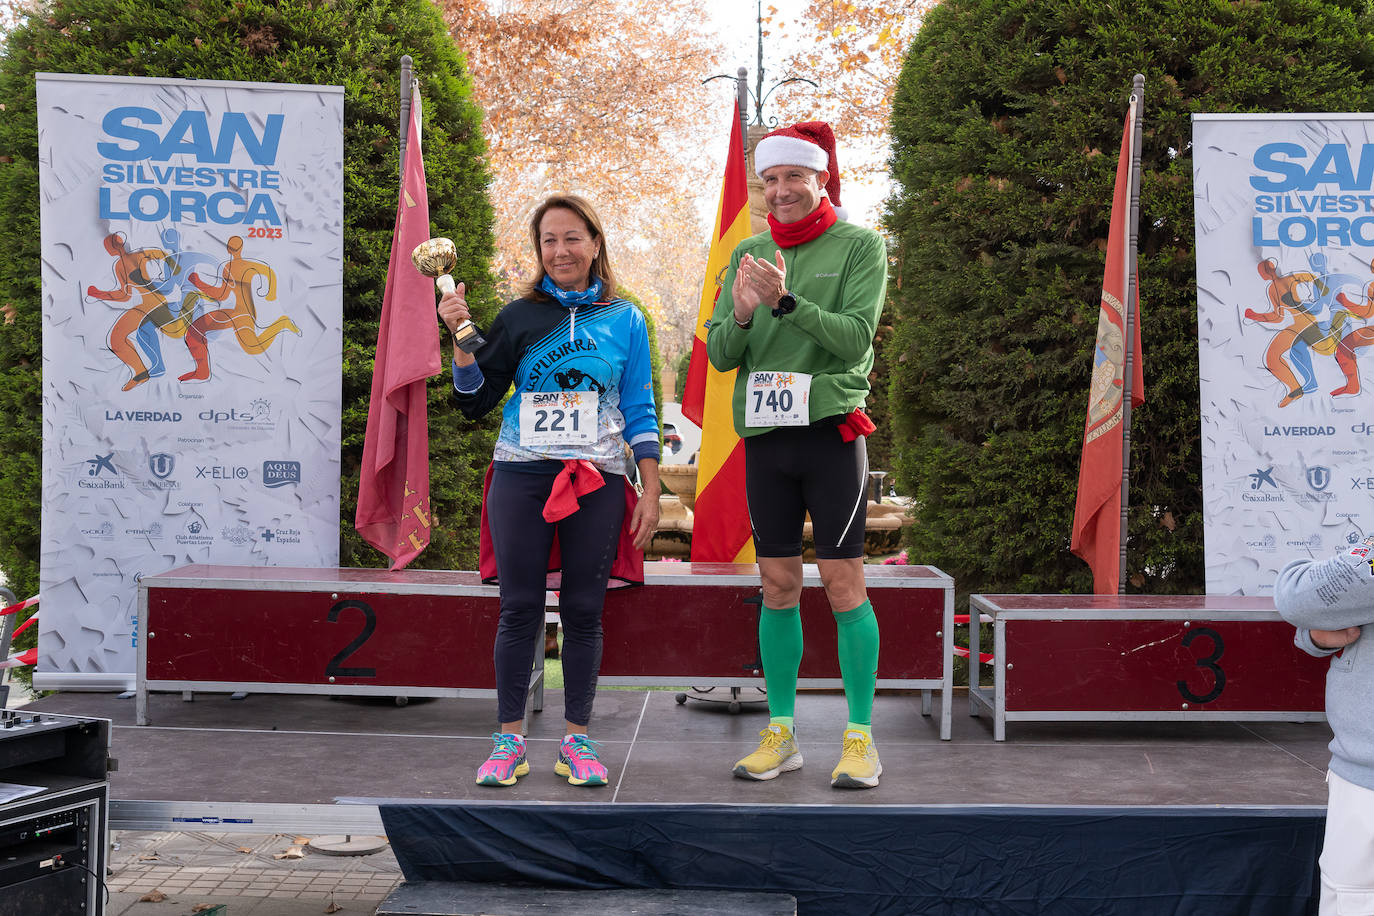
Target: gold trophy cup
(435, 258)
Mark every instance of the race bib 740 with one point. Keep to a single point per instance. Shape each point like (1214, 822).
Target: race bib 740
(778, 399)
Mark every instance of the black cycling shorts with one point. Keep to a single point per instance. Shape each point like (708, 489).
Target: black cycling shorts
(793, 470)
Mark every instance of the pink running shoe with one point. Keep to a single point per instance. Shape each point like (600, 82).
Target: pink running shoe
(577, 760)
(506, 764)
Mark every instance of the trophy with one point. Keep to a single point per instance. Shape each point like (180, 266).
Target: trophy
(435, 258)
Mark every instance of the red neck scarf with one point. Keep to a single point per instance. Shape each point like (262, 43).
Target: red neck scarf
(790, 235)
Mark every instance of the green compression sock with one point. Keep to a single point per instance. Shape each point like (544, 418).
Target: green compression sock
(858, 648)
(780, 647)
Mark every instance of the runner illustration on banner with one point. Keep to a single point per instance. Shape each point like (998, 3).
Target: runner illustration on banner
(135, 275)
(158, 277)
(175, 284)
(1300, 298)
(1355, 338)
(238, 275)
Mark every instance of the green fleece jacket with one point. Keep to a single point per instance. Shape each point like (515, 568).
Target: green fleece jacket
(839, 281)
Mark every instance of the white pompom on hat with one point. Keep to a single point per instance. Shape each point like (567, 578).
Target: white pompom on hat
(809, 144)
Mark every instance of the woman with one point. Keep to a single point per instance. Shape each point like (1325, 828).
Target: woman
(579, 360)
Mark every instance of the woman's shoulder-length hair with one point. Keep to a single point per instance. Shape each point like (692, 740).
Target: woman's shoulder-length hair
(583, 210)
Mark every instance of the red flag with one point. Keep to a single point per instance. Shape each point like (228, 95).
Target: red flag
(1097, 515)
(720, 518)
(393, 486)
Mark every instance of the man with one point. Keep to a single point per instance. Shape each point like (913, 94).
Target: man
(1331, 601)
(797, 312)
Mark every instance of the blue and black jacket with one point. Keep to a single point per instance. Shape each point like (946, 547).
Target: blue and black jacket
(545, 346)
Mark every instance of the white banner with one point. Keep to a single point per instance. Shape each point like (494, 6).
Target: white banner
(192, 339)
(1284, 206)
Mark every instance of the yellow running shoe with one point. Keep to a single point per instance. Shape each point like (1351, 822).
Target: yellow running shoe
(859, 767)
(777, 753)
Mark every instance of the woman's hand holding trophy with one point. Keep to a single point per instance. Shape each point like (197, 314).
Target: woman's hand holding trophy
(435, 258)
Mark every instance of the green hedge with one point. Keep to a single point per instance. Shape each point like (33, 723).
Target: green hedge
(356, 44)
(1006, 127)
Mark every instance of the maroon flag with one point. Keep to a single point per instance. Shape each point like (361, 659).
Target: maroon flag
(393, 485)
(1097, 514)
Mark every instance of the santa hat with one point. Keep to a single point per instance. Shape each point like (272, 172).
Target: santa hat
(810, 144)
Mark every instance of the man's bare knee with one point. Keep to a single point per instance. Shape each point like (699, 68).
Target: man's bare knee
(844, 583)
(782, 581)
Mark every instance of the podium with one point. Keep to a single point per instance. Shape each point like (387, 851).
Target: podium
(1066, 658)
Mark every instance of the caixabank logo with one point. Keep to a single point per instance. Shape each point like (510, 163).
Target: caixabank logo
(101, 474)
(280, 473)
(1262, 487)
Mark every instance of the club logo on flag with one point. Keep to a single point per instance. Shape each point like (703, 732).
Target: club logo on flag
(1102, 468)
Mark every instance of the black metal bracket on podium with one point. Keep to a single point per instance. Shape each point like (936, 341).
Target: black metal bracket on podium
(54, 814)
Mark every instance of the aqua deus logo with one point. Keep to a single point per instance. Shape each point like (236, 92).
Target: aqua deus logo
(280, 473)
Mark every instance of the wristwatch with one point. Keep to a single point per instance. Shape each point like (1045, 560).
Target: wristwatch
(787, 303)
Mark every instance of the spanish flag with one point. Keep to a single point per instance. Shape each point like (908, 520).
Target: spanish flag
(720, 526)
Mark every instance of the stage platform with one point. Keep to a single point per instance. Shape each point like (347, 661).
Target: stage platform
(307, 750)
(308, 764)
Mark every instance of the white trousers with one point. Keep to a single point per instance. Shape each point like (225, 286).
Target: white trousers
(1347, 859)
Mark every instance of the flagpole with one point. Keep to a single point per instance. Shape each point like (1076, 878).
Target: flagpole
(742, 100)
(1132, 243)
(406, 84)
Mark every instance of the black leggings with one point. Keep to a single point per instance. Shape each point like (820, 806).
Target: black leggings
(521, 540)
(793, 470)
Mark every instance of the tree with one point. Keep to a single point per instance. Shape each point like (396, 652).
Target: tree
(603, 100)
(854, 52)
(354, 43)
(1005, 125)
